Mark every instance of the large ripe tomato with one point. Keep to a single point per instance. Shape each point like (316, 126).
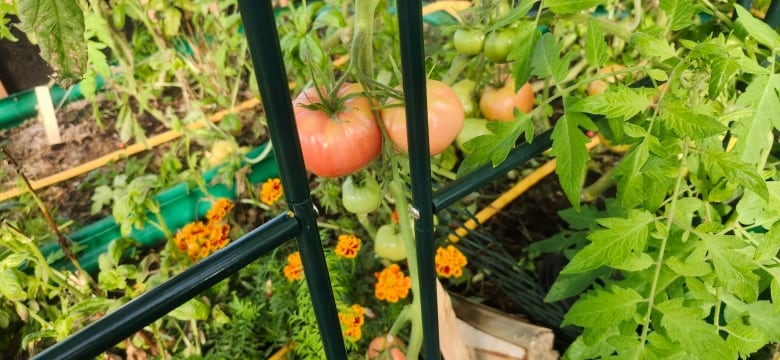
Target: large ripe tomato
(445, 118)
(341, 143)
(499, 103)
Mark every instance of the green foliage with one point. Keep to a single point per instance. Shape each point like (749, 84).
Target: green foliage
(57, 26)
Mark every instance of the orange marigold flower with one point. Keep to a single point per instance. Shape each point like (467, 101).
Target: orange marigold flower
(294, 268)
(450, 262)
(392, 284)
(271, 191)
(219, 210)
(394, 216)
(348, 246)
(352, 320)
(199, 240)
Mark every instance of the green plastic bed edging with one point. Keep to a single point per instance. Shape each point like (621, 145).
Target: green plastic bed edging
(179, 205)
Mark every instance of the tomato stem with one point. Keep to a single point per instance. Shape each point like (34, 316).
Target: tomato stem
(404, 221)
(362, 46)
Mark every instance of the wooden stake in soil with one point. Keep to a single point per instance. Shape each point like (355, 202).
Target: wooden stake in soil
(3, 92)
(46, 114)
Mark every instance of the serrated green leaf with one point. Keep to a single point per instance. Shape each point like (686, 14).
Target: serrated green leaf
(685, 268)
(493, 148)
(686, 323)
(195, 309)
(753, 210)
(759, 314)
(652, 46)
(103, 196)
(753, 139)
(733, 268)
(680, 12)
(728, 165)
(618, 101)
(603, 308)
(522, 50)
(687, 123)
(768, 244)
(595, 45)
(571, 154)
(571, 6)
(547, 61)
(630, 176)
(758, 29)
(568, 285)
(700, 291)
(514, 16)
(580, 220)
(11, 286)
(622, 240)
(744, 338)
(58, 26)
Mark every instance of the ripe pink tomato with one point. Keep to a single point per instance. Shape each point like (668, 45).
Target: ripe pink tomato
(386, 347)
(499, 103)
(445, 118)
(340, 143)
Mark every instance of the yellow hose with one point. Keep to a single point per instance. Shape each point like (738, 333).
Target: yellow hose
(128, 151)
(282, 353)
(510, 195)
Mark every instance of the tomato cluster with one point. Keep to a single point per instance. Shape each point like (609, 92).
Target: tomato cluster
(496, 44)
(343, 136)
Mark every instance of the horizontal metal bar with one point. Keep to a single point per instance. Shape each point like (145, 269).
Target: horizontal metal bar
(456, 190)
(147, 308)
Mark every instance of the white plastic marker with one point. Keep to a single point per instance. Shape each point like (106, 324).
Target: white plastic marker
(46, 114)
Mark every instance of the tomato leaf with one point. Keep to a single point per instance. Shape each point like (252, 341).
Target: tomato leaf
(568, 285)
(572, 155)
(758, 29)
(752, 131)
(546, 61)
(681, 13)
(571, 6)
(522, 49)
(58, 28)
(728, 165)
(603, 308)
(753, 210)
(621, 241)
(734, 269)
(759, 314)
(595, 45)
(744, 338)
(652, 46)
(681, 320)
(685, 122)
(619, 101)
(512, 18)
(494, 148)
(630, 177)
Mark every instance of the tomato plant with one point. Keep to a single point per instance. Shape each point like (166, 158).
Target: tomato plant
(500, 103)
(445, 118)
(388, 244)
(361, 198)
(468, 41)
(341, 141)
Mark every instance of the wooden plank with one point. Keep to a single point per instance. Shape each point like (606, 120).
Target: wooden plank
(537, 340)
(3, 91)
(47, 115)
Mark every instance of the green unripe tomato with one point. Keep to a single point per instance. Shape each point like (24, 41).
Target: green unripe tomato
(361, 198)
(498, 44)
(468, 41)
(501, 9)
(465, 91)
(471, 129)
(118, 16)
(388, 244)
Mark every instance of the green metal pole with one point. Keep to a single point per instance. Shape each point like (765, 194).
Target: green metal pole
(147, 308)
(456, 190)
(413, 68)
(263, 41)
